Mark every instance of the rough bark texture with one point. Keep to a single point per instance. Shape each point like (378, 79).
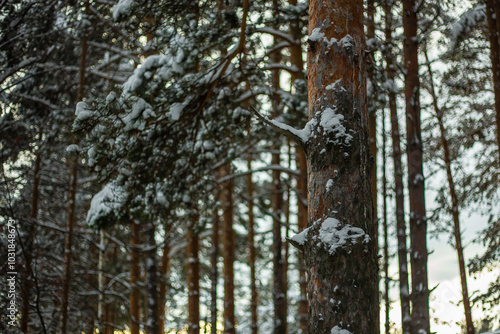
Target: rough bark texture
(193, 279)
(342, 277)
(135, 273)
(454, 202)
(228, 251)
(398, 177)
(418, 224)
(252, 251)
(493, 15)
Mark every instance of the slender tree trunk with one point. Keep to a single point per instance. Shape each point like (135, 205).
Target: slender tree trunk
(163, 286)
(101, 316)
(214, 272)
(228, 252)
(418, 222)
(73, 178)
(279, 300)
(386, 234)
(135, 273)
(398, 175)
(151, 281)
(296, 60)
(252, 251)
(493, 18)
(26, 282)
(454, 201)
(193, 277)
(342, 273)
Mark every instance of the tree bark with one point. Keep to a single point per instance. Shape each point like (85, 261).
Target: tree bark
(418, 222)
(135, 273)
(228, 252)
(252, 250)
(398, 175)
(342, 272)
(454, 201)
(492, 16)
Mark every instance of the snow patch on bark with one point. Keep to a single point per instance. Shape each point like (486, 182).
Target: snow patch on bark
(338, 330)
(332, 235)
(301, 238)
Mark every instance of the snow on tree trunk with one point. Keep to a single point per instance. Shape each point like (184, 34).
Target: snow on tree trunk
(339, 245)
(398, 176)
(418, 223)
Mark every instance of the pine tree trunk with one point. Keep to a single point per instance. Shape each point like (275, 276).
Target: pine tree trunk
(162, 290)
(214, 273)
(492, 16)
(454, 202)
(418, 223)
(386, 233)
(398, 177)
(342, 273)
(73, 178)
(279, 300)
(135, 273)
(193, 277)
(296, 60)
(26, 282)
(252, 251)
(228, 252)
(151, 281)
(101, 283)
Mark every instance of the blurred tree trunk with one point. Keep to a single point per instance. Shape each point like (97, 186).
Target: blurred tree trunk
(214, 273)
(135, 273)
(228, 251)
(163, 284)
(398, 174)
(418, 222)
(297, 61)
(253, 252)
(193, 276)
(454, 200)
(387, 323)
(73, 184)
(151, 280)
(279, 300)
(493, 18)
(342, 276)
